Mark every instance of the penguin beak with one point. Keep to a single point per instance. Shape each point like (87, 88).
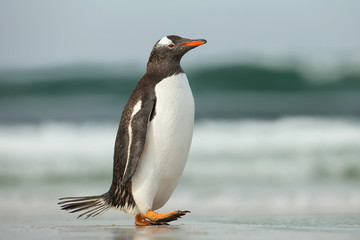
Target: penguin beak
(195, 43)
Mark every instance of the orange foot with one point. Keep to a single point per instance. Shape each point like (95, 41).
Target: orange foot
(140, 220)
(166, 217)
(158, 219)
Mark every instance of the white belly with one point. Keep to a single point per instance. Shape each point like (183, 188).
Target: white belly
(167, 144)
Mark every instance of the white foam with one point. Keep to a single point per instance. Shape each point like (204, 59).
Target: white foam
(292, 149)
(291, 165)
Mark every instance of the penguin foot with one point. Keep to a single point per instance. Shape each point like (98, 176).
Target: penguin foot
(140, 220)
(165, 217)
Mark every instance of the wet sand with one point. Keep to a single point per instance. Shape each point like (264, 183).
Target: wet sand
(278, 227)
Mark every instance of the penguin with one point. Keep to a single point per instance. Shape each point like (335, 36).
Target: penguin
(152, 142)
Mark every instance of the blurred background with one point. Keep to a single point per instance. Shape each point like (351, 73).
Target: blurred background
(277, 93)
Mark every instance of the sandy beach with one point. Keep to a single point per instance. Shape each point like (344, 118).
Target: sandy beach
(271, 227)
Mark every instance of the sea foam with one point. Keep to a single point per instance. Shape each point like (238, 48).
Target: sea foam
(286, 165)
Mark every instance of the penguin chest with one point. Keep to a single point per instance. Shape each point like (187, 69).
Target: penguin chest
(172, 127)
(167, 143)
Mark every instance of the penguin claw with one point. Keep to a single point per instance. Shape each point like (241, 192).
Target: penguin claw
(155, 223)
(177, 214)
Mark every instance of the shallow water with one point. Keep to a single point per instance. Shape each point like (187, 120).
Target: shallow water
(294, 177)
(280, 227)
(295, 165)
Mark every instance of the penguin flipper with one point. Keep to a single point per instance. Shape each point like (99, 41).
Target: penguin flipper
(139, 125)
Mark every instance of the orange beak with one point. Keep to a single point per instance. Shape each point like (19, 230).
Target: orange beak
(194, 43)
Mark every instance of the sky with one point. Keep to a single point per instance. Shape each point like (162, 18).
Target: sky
(41, 33)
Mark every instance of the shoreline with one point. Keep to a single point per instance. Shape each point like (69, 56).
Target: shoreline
(272, 227)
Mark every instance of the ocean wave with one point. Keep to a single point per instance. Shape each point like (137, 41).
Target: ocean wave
(288, 150)
(229, 91)
(67, 80)
(294, 165)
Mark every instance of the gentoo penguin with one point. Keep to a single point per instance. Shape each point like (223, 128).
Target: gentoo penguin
(152, 143)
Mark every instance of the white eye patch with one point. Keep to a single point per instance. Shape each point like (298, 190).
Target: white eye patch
(164, 41)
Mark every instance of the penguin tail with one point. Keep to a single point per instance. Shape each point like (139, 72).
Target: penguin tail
(89, 206)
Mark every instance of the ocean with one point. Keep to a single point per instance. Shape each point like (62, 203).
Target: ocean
(293, 165)
(293, 151)
(98, 93)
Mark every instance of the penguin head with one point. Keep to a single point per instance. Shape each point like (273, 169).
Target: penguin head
(170, 49)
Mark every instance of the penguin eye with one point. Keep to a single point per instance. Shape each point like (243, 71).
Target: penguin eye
(171, 45)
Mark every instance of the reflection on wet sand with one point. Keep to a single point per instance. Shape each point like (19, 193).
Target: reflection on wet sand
(144, 233)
